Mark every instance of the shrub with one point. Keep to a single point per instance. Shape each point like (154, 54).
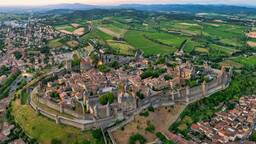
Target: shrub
(54, 95)
(17, 55)
(140, 95)
(55, 141)
(114, 64)
(97, 134)
(137, 138)
(145, 114)
(151, 109)
(163, 139)
(167, 77)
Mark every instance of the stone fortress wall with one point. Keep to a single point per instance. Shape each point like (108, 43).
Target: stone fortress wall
(163, 98)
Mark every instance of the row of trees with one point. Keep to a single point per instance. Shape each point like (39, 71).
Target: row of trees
(5, 86)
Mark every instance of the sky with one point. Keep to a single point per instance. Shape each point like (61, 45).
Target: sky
(116, 2)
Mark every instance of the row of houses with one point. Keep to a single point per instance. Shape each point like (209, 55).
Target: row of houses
(228, 126)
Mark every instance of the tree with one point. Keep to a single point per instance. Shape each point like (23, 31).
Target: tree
(17, 55)
(54, 95)
(137, 138)
(140, 95)
(106, 98)
(104, 68)
(167, 77)
(76, 62)
(114, 64)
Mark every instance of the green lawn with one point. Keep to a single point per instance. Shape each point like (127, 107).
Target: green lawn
(137, 40)
(54, 43)
(44, 130)
(121, 47)
(24, 97)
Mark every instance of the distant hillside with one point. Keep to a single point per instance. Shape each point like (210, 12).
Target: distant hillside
(75, 6)
(224, 9)
(195, 8)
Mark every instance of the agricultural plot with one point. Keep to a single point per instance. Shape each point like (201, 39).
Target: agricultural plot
(186, 28)
(138, 40)
(231, 63)
(202, 50)
(72, 43)
(122, 48)
(79, 31)
(226, 33)
(71, 29)
(248, 61)
(251, 44)
(116, 29)
(109, 32)
(55, 43)
(167, 39)
(65, 27)
(252, 39)
(251, 34)
(217, 50)
(97, 34)
(75, 25)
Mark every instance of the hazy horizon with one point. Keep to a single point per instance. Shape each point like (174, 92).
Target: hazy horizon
(118, 2)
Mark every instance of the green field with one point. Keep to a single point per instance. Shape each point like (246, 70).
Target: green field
(115, 29)
(186, 27)
(65, 27)
(252, 39)
(45, 130)
(231, 63)
(137, 40)
(96, 34)
(217, 50)
(226, 33)
(168, 39)
(54, 43)
(202, 50)
(122, 48)
(166, 36)
(247, 61)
